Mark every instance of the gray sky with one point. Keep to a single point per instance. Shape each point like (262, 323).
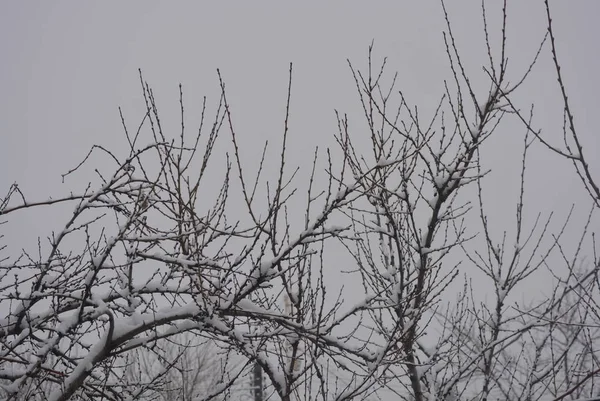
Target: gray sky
(67, 66)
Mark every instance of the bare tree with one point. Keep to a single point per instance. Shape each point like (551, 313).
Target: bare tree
(146, 256)
(424, 222)
(156, 259)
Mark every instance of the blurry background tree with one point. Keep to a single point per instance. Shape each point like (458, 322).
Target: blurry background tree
(190, 367)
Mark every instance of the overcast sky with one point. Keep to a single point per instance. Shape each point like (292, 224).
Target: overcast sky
(67, 66)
